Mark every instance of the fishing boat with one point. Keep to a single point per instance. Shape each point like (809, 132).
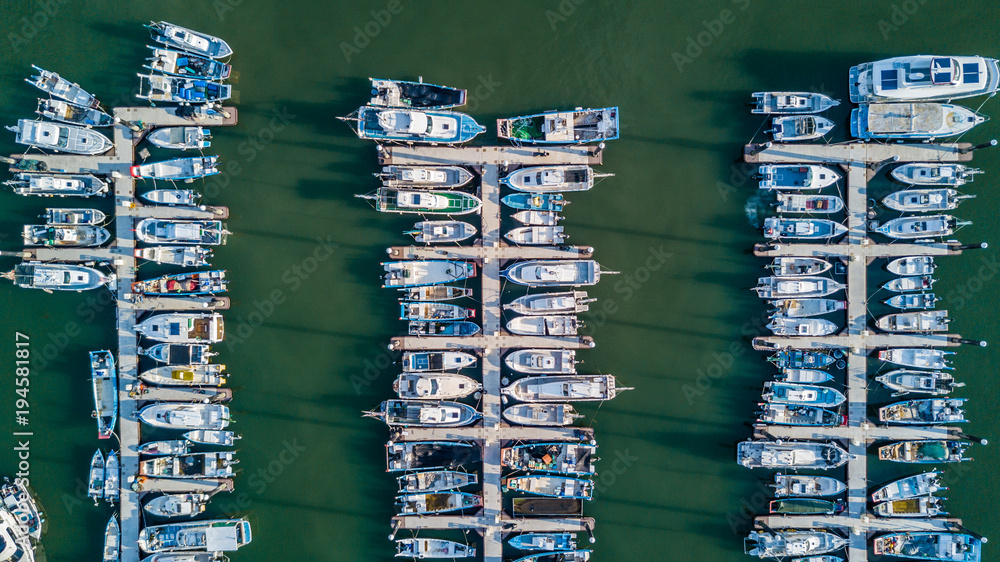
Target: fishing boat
(802, 485)
(803, 376)
(910, 284)
(929, 506)
(48, 185)
(415, 310)
(805, 506)
(427, 361)
(95, 482)
(791, 266)
(59, 87)
(183, 327)
(807, 395)
(953, 547)
(435, 481)
(536, 235)
(185, 375)
(796, 287)
(791, 454)
(922, 321)
(791, 103)
(161, 88)
(923, 77)
(177, 505)
(777, 227)
(543, 202)
(104, 381)
(433, 548)
(190, 466)
(184, 256)
(565, 556)
(421, 455)
(165, 448)
(54, 216)
(66, 112)
(56, 276)
(805, 308)
(64, 236)
(456, 329)
(560, 388)
(561, 127)
(441, 232)
(795, 128)
(400, 93)
(212, 437)
(551, 179)
(555, 273)
(188, 65)
(541, 414)
(929, 226)
(436, 386)
(798, 359)
(183, 284)
(542, 361)
(550, 486)
(932, 173)
(434, 293)
(437, 503)
(918, 358)
(213, 535)
(569, 302)
(925, 200)
(172, 197)
(771, 544)
(169, 231)
(913, 265)
(112, 541)
(71, 139)
(913, 302)
(784, 326)
(419, 413)
(19, 503)
(537, 218)
(796, 177)
(187, 557)
(392, 200)
(904, 381)
(180, 138)
(433, 177)
(813, 204)
(560, 458)
(189, 40)
(112, 477)
(549, 325)
(544, 541)
(924, 451)
(177, 169)
(792, 414)
(912, 120)
(413, 125)
(914, 486)
(929, 411)
(185, 416)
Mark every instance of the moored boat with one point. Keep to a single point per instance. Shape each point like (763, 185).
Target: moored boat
(180, 138)
(214, 535)
(65, 236)
(795, 414)
(928, 411)
(541, 414)
(59, 87)
(548, 325)
(185, 375)
(921, 301)
(569, 302)
(49, 185)
(918, 358)
(805, 506)
(177, 169)
(104, 381)
(805, 308)
(904, 381)
(929, 226)
(112, 477)
(791, 102)
(184, 256)
(71, 139)
(925, 451)
(542, 202)
(185, 416)
(802, 394)
(212, 437)
(922, 321)
(795, 128)
(186, 64)
(416, 310)
(433, 177)
(436, 386)
(951, 547)
(559, 458)
(771, 544)
(924, 200)
(433, 328)
(536, 235)
(795, 177)
(923, 77)
(421, 455)
(56, 276)
(537, 218)
(563, 556)
(560, 388)
(420, 413)
(393, 200)
(183, 327)
(561, 127)
(912, 120)
(925, 507)
(413, 125)
(812, 204)
(790, 454)
(799, 359)
(803, 376)
(54, 216)
(183, 284)
(934, 173)
(66, 112)
(112, 541)
(544, 541)
(190, 466)
(402, 93)
(437, 503)
(430, 361)
(189, 40)
(435, 481)
(555, 273)
(161, 88)
(188, 232)
(95, 482)
(909, 284)
(913, 265)
(432, 548)
(434, 293)
(441, 231)
(794, 267)
(785, 326)
(177, 505)
(910, 487)
(802, 485)
(796, 287)
(165, 448)
(550, 486)
(551, 179)
(542, 361)
(776, 228)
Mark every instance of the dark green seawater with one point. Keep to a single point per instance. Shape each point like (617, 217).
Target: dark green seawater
(308, 326)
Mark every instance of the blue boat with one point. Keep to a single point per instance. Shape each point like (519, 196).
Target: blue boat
(561, 127)
(805, 394)
(951, 547)
(535, 202)
(797, 359)
(797, 414)
(551, 486)
(413, 126)
(104, 379)
(179, 89)
(430, 328)
(565, 556)
(197, 283)
(544, 541)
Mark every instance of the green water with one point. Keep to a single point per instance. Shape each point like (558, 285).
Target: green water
(305, 321)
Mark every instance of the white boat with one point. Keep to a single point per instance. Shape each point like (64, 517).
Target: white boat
(913, 301)
(432, 548)
(782, 326)
(541, 414)
(179, 354)
(426, 272)
(925, 507)
(805, 308)
(189, 40)
(915, 486)
(803, 376)
(561, 127)
(172, 197)
(95, 482)
(435, 386)
(777, 287)
(65, 235)
(771, 544)
(567, 273)
(924, 200)
(441, 231)
(551, 179)
(537, 218)
(813, 204)
(793, 266)
(794, 455)
(58, 216)
(184, 256)
(905, 381)
(795, 177)
(183, 327)
(802, 485)
(218, 535)
(58, 87)
(791, 102)
(56, 276)
(548, 325)
(799, 128)
(177, 505)
(776, 228)
(416, 310)
(913, 265)
(160, 88)
(418, 202)
(435, 481)
(66, 112)
(932, 173)
(923, 77)
(189, 232)
(421, 413)
(435, 293)
(403, 93)
(430, 361)
(112, 541)
(177, 168)
(438, 177)
(165, 448)
(186, 375)
(918, 358)
(563, 388)
(910, 284)
(536, 235)
(58, 137)
(929, 411)
(912, 120)
(180, 138)
(570, 302)
(929, 226)
(550, 486)
(187, 557)
(49, 185)
(177, 63)
(923, 321)
(185, 416)
(112, 477)
(542, 361)
(104, 383)
(212, 437)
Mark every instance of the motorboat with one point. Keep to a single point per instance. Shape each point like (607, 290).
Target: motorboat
(172, 197)
(548, 542)
(796, 287)
(435, 481)
(569, 302)
(184, 256)
(925, 200)
(559, 458)
(791, 103)
(812, 204)
(915, 486)
(920, 301)
(921, 321)
(393, 200)
(56, 276)
(186, 375)
(434, 293)
(436, 386)
(452, 328)
(549, 325)
(925, 507)
(924, 451)
(190, 466)
(563, 388)
(421, 413)
(187, 557)
(165, 448)
(910, 284)
(793, 414)
(212, 535)
(183, 284)
(441, 231)
(785, 326)
(413, 125)
(777, 228)
(537, 218)
(791, 454)
(437, 503)
(420, 455)
(162, 88)
(65, 236)
(95, 482)
(112, 477)
(795, 177)
(923, 77)
(550, 486)
(803, 485)
(542, 361)
(433, 548)
(805, 308)
(112, 541)
(104, 382)
(61, 88)
(803, 376)
(772, 544)
(58, 216)
(401, 93)
(555, 273)
(186, 64)
(563, 556)
(415, 310)
(178, 168)
(26, 519)
(212, 437)
(929, 226)
(913, 265)
(934, 173)
(66, 112)
(185, 416)
(905, 381)
(71, 139)
(433, 177)
(799, 359)
(177, 505)
(791, 266)
(183, 327)
(49, 185)
(189, 40)
(805, 506)
(542, 202)
(928, 411)
(536, 235)
(802, 394)
(189, 232)
(180, 138)
(431, 361)
(551, 179)
(541, 414)
(795, 128)
(918, 358)
(414, 273)
(912, 120)
(956, 547)
(561, 127)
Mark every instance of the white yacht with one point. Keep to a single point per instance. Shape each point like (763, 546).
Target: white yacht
(57, 137)
(924, 77)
